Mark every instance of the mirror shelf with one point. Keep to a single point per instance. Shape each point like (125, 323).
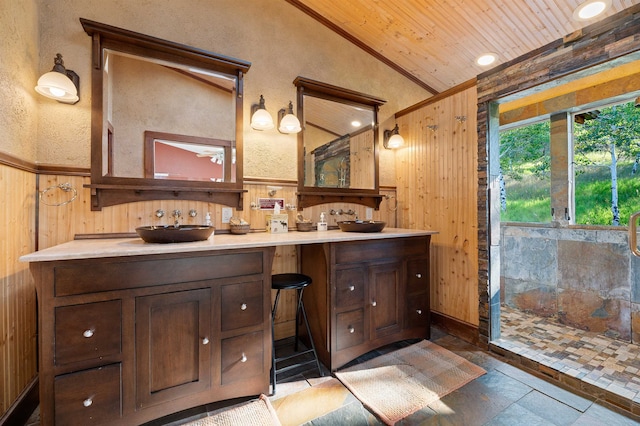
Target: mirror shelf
(338, 147)
(152, 96)
(105, 195)
(309, 199)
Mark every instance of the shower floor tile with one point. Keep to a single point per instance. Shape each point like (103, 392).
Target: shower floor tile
(603, 366)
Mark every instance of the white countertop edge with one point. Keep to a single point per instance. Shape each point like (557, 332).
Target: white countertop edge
(115, 247)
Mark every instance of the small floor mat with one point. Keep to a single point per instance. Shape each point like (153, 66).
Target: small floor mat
(402, 382)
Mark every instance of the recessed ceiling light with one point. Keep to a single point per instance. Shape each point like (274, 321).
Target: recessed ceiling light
(356, 123)
(591, 9)
(486, 59)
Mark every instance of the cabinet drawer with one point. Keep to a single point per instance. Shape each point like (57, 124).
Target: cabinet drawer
(418, 310)
(350, 287)
(89, 397)
(242, 305)
(349, 329)
(96, 275)
(417, 275)
(242, 357)
(84, 332)
(373, 250)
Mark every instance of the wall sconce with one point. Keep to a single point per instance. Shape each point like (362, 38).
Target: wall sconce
(260, 117)
(432, 127)
(287, 122)
(60, 83)
(392, 139)
(461, 118)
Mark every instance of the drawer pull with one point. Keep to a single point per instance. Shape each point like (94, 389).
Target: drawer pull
(244, 358)
(243, 307)
(351, 329)
(205, 341)
(88, 333)
(418, 275)
(352, 288)
(87, 402)
(419, 311)
(374, 303)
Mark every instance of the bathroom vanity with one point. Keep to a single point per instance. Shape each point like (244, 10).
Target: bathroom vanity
(130, 332)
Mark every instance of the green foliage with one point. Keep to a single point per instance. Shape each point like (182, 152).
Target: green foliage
(525, 150)
(618, 124)
(593, 195)
(528, 200)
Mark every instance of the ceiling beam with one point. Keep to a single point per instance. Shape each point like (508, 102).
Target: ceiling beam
(612, 91)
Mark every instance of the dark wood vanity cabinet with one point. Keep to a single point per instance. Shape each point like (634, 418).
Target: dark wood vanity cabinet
(125, 340)
(366, 294)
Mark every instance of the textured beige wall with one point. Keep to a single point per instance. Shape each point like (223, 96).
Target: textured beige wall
(280, 41)
(18, 76)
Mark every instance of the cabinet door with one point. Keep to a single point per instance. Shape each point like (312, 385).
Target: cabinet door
(173, 345)
(385, 296)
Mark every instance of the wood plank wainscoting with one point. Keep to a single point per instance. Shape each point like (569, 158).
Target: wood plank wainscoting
(18, 325)
(437, 177)
(20, 234)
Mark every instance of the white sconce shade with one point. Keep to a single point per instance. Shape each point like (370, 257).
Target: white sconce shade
(392, 138)
(260, 117)
(59, 83)
(288, 123)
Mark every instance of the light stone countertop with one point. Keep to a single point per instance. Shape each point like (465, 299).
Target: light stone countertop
(112, 247)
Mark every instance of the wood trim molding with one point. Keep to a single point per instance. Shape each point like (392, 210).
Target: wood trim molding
(438, 97)
(22, 408)
(465, 331)
(17, 163)
(321, 19)
(51, 169)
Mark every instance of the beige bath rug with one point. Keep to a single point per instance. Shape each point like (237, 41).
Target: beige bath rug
(402, 382)
(254, 413)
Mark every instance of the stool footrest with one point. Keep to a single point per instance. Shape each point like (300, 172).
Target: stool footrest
(284, 358)
(291, 367)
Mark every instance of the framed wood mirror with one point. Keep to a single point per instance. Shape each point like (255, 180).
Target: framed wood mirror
(151, 96)
(338, 147)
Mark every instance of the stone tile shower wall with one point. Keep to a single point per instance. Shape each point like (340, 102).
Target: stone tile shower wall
(585, 278)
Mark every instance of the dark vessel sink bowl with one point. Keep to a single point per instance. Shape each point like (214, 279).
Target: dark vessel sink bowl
(361, 226)
(170, 234)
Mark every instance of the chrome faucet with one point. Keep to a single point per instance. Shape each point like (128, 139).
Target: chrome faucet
(177, 214)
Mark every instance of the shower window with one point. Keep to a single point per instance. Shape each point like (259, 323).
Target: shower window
(525, 173)
(606, 143)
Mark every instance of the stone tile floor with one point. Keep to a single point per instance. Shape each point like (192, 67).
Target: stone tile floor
(506, 395)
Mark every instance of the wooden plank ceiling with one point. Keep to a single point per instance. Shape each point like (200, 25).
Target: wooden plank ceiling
(435, 42)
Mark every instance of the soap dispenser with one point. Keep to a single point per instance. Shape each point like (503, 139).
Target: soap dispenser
(322, 225)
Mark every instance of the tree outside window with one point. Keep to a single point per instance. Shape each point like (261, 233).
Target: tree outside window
(607, 171)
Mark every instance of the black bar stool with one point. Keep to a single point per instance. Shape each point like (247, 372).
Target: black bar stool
(291, 282)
